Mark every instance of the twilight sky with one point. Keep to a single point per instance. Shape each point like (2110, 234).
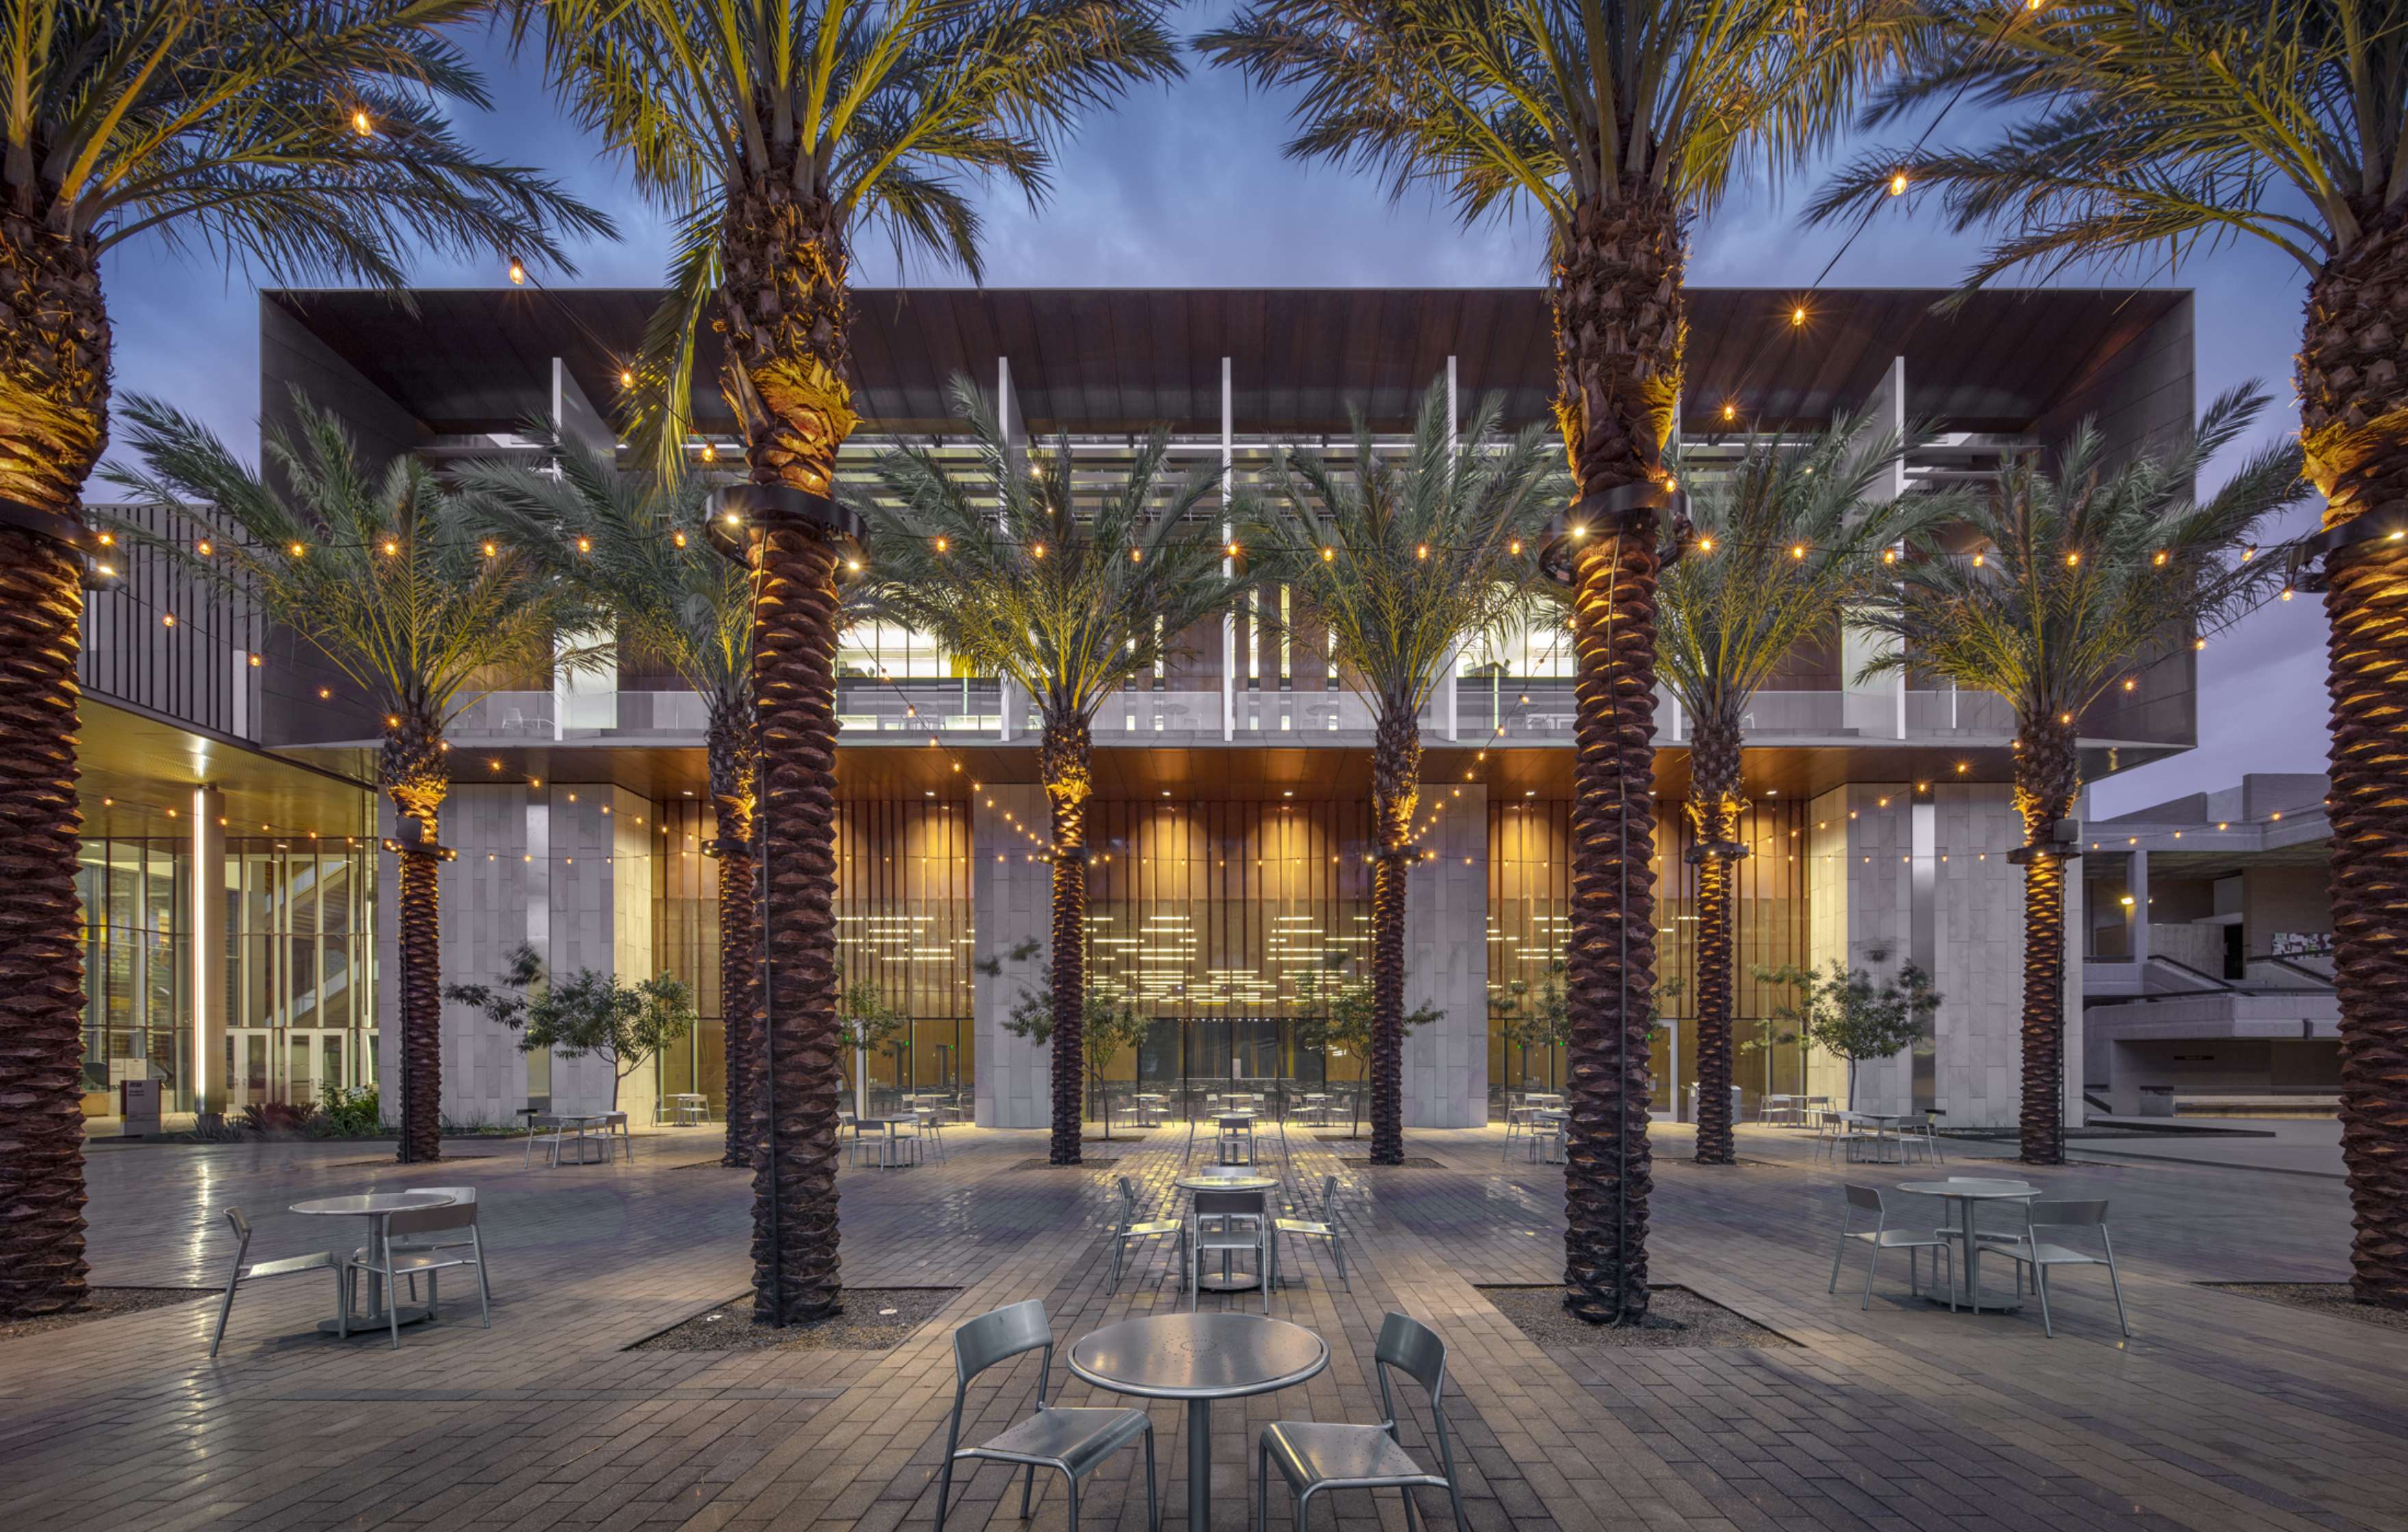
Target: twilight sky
(1187, 188)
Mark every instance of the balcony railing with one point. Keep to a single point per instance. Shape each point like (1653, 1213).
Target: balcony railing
(1512, 711)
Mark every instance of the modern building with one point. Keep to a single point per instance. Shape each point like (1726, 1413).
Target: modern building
(1233, 821)
(2207, 969)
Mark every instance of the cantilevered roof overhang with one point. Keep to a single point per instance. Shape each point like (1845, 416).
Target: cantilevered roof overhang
(464, 361)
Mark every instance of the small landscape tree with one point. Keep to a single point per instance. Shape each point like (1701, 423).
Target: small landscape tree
(866, 1024)
(629, 1025)
(1848, 1012)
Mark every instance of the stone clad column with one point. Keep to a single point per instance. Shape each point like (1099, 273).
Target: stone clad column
(1011, 902)
(1446, 964)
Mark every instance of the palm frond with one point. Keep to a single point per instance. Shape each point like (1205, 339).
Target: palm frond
(2152, 129)
(1403, 560)
(389, 584)
(1550, 104)
(1019, 568)
(2075, 575)
(313, 137)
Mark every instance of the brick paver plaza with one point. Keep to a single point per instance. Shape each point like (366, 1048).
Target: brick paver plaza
(2223, 1411)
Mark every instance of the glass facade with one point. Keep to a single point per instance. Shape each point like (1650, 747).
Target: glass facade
(298, 971)
(1529, 896)
(903, 924)
(1228, 924)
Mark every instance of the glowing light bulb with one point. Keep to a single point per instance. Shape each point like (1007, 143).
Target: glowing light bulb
(1797, 315)
(626, 377)
(361, 124)
(518, 272)
(1898, 184)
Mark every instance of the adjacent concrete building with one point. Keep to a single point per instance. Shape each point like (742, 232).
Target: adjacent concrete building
(2208, 976)
(1232, 824)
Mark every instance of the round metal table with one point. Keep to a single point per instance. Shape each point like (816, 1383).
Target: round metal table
(1245, 1180)
(376, 1207)
(1199, 1358)
(1965, 1191)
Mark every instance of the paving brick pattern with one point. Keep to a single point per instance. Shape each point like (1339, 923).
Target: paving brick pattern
(2223, 1410)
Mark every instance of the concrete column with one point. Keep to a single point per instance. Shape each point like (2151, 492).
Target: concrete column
(1011, 902)
(1878, 709)
(2136, 918)
(206, 929)
(1228, 619)
(1446, 964)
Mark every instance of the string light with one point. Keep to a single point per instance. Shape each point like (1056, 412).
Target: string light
(2159, 558)
(1889, 556)
(1037, 550)
(167, 619)
(1137, 555)
(390, 548)
(1421, 550)
(1898, 184)
(1797, 315)
(1514, 548)
(942, 545)
(204, 548)
(361, 124)
(1327, 555)
(296, 549)
(677, 536)
(585, 545)
(1730, 411)
(2072, 559)
(1797, 550)
(626, 377)
(1977, 561)
(710, 454)
(518, 272)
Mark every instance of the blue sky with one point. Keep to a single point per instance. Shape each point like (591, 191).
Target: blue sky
(1187, 187)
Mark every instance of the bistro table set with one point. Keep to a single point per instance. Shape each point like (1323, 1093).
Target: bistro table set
(420, 1232)
(2052, 1234)
(1198, 1359)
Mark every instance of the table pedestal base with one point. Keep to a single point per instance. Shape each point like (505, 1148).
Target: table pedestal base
(378, 1323)
(1199, 1465)
(1229, 1281)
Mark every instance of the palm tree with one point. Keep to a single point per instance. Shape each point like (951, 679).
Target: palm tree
(312, 139)
(1617, 121)
(1788, 539)
(634, 547)
(1402, 561)
(770, 132)
(382, 574)
(2157, 127)
(1070, 588)
(2068, 579)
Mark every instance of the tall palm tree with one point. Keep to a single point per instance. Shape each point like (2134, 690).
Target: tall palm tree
(311, 139)
(634, 546)
(1070, 588)
(381, 572)
(1401, 560)
(1617, 121)
(2069, 579)
(2149, 129)
(1788, 540)
(770, 130)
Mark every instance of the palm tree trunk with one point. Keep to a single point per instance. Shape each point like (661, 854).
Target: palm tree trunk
(783, 311)
(54, 350)
(794, 1258)
(1714, 780)
(42, 959)
(1618, 336)
(1063, 767)
(2047, 770)
(1395, 789)
(732, 788)
(2352, 400)
(412, 772)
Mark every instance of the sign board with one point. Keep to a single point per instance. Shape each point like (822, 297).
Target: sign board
(2302, 944)
(137, 1103)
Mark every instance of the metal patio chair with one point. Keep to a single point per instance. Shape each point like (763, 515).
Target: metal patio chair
(2043, 1243)
(1225, 1222)
(1881, 1237)
(283, 1265)
(1074, 1441)
(1315, 1456)
(1129, 1229)
(1322, 1227)
(403, 1254)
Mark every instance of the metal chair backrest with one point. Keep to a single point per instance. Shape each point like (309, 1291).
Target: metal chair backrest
(2066, 1216)
(1129, 1202)
(1014, 1330)
(451, 1215)
(462, 1196)
(1865, 1198)
(1226, 1204)
(1329, 1200)
(1413, 1348)
(241, 1225)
